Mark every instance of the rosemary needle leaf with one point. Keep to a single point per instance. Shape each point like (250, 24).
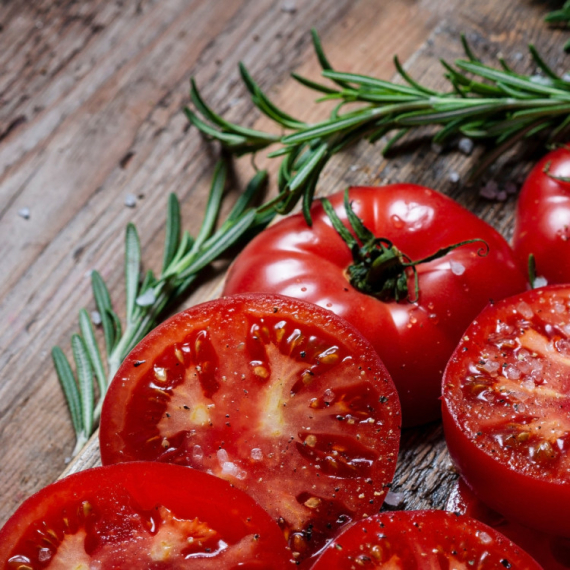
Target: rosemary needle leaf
(69, 386)
(213, 205)
(92, 349)
(323, 60)
(313, 84)
(467, 49)
(103, 302)
(173, 225)
(265, 105)
(216, 247)
(85, 378)
(541, 63)
(255, 187)
(132, 269)
(222, 123)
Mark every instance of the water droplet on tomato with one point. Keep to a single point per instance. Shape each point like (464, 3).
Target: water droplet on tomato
(197, 453)
(457, 268)
(525, 310)
(484, 537)
(397, 221)
(257, 454)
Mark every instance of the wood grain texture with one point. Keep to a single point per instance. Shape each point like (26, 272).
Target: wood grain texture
(91, 97)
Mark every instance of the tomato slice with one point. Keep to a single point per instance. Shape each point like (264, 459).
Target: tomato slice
(423, 540)
(552, 552)
(141, 516)
(280, 397)
(507, 408)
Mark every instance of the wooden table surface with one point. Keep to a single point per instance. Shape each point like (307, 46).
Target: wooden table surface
(90, 112)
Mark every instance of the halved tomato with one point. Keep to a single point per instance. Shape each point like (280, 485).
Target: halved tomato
(280, 397)
(506, 409)
(141, 516)
(422, 540)
(551, 552)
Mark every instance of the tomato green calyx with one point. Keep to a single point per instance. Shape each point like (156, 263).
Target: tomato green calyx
(546, 171)
(380, 269)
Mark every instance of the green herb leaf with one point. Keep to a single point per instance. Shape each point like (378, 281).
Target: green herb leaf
(132, 269)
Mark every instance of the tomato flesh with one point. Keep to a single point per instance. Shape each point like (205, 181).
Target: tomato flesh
(281, 398)
(507, 408)
(141, 516)
(414, 340)
(551, 552)
(421, 540)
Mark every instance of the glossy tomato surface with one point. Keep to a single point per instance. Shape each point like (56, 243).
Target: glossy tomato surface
(551, 552)
(506, 408)
(414, 340)
(282, 398)
(141, 516)
(422, 540)
(542, 222)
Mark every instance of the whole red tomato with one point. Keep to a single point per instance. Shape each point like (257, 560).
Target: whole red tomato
(414, 340)
(506, 408)
(542, 223)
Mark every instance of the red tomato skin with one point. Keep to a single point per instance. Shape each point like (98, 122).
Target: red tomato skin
(187, 492)
(542, 221)
(413, 340)
(507, 491)
(552, 552)
(366, 492)
(417, 540)
(525, 496)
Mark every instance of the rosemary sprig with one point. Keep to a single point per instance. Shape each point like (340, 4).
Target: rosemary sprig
(561, 18)
(494, 105)
(148, 296)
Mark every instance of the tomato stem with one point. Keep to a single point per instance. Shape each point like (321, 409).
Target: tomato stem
(380, 269)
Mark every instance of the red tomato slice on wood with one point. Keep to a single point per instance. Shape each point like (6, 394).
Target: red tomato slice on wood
(141, 516)
(551, 552)
(282, 398)
(542, 222)
(414, 340)
(422, 540)
(506, 408)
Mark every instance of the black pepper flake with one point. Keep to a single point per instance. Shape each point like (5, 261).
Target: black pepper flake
(505, 563)
(383, 399)
(138, 363)
(256, 537)
(275, 309)
(186, 407)
(303, 354)
(208, 549)
(167, 415)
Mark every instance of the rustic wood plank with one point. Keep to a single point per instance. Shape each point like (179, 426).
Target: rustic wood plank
(102, 120)
(101, 88)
